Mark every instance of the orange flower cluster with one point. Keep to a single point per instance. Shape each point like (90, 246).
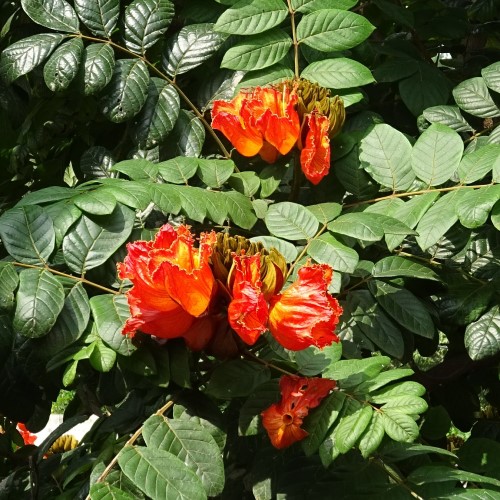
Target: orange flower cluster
(283, 420)
(265, 121)
(176, 293)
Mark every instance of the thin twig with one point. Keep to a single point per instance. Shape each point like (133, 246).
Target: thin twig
(294, 38)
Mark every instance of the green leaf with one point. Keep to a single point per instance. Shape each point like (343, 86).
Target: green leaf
(410, 214)
(495, 215)
(92, 241)
(339, 73)
(274, 74)
(291, 221)
(325, 212)
(312, 361)
(98, 66)
(491, 76)
(372, 435)
(188, 134)
(26, 54)
(179, 170)
(39, 300)
(250, 18)
(258, 51)
(27, 234)
(102, 358)
(145, 22)
(193, 202)
(166, 198)
(53, 14)
(236, 378)
(287, 249)
(356, 369)
(328, 250)
(437, 220)
(473, 209)
(99, 16)
(399, 426)
(351, 428)
(240, 209)
(411, 405)
(436, 154)
(96, 202)
(400, 389)
(192, 444)
(401, 451)
(321, 420)
(439, 473)
(137, 169)
(127, 92)
(63, 65)
(270, 179)
(214, 173)
(105, 491)
(385, 154)
(8, 283)
(482, 338)
(110, 313)
(389, 267)
(158, 116)
(447, 115)
(473, 97)
(404, 307)
(307, 6)
(160, 474)
(130, 193)
(476, 165)
(247, 183)
(333, 29)
(190, 47)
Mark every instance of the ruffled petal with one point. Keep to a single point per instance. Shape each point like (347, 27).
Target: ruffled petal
(315, 156)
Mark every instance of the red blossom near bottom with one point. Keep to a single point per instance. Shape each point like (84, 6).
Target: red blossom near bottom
(27, 436)
(283, 420)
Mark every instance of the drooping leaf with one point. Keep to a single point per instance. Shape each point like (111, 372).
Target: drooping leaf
(447, 115)
(249, 18)
(258, 51)
(91, 241)
(27, 233)
(145, 22)
(97, 68)
(190, 47)
(333, 29)
(482, 338)
(160, 474)
(63, 65)
(385, 154)
(291, 221)
(401, 266)
(476, 165)
(53, 14)
(158, 116)
(26, 54)
(39, 300)
(328, 250)
(100, 16)
(436, 154)
(473, 97)
(127, 91)
(192, 444)
(338, 73)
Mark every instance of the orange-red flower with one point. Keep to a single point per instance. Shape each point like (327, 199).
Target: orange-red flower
(283, 420)
(27, 436)
(172, 282)
(315, 156)
(261, 121)
(248, 310)
(305, 313)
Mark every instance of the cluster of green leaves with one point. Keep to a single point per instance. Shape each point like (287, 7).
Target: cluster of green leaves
(104, 107)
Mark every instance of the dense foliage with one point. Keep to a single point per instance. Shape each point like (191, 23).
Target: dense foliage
(106, 116)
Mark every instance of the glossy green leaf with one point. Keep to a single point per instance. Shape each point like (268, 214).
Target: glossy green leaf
(188, 134)
(474, 208)
(97, 68)
(91, 241)
(137, 169)
(127, 91)
(351, 428)
(350, 369)
(102, 358)
(411, 405)
(110, 313)
(273, 74)
(105, 491)
(27, 234)
(99, 16)
(39, 300)
(399, 426)
(26, 54)
(385, 154)
(447, 115)
(328, 250)
(96, 202)
(166, 198)
(214, 173)
(192, 444)
(372, 435)
(476, 165)
(258, 51)
(179, 170)
(491, 75)
(53, 14)
(495, 215)
(63, 65)
(403, 307)
(306, 6)
(145, 23)
(158, 116)
(291, 221)
(130, 193)
(8, 284)
(287, 249)
(482, 338)
(473, 97)
(438, 473)
(190, 47)
(436, 154)
(160, 474)
(338, 73)
(400, 266)
(400, 389)
(247, 183)
(251, 17)
(333, 29)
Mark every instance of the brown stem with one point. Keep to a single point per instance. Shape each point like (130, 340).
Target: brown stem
(294, 38)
